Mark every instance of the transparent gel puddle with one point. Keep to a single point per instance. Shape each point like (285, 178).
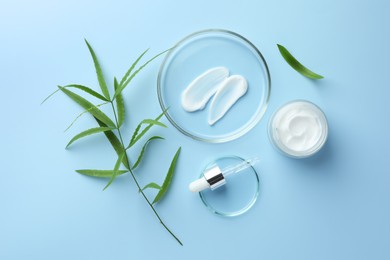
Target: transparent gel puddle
(239, 193)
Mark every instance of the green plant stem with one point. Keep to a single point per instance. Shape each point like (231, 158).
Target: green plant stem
(154, 210)
(135, 179)
(119, 131)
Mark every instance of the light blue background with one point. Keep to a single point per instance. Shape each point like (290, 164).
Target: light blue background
(332, 206)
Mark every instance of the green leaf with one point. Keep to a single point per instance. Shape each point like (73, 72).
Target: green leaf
(131, 68)
(115, 143)
(87, 90)
(81, 114)
(141, 154)
(295, 64)
(100, 173)
(151, 122)
(123, 86)
(152, 185)
(115, 171)
(49, 96)
(135, 133)
(139, 136)
(168, 178)
(87, 133)
(120, 105)
(92, 109)
(99, 72)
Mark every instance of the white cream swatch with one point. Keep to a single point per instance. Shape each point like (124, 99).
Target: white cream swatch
(202, 88)
(299, 128)
(229, 91)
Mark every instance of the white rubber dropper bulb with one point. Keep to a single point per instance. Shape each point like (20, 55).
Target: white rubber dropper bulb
(202, 184)
(199, 185)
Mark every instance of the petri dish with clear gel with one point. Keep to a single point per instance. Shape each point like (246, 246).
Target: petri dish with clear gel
(198, 53)
(237, 195)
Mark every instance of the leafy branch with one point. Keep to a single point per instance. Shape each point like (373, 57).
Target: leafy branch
(111, 127)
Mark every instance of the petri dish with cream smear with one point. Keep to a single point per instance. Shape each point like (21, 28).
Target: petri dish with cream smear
(202, 51)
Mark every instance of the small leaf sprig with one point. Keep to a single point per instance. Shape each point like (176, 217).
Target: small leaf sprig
(296, 65)
(112, 130)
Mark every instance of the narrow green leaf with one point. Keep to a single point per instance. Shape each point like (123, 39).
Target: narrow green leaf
(123, 86)
(296, 65)
(151, 122)
(81, 114)
(131, 68)
(139, 136)
(120, 105)
(49, 96)
(87, 133)
(115, 171)
(141, 154)
(92, 109)
(168, 178)
(115, 143)
(152, 185)
(99, 72)
(135, 133)
(87, 90)
(100, 173)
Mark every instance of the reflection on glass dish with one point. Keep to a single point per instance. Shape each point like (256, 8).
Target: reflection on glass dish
(194, 55)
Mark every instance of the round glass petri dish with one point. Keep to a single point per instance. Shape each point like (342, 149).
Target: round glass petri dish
(194, 55)
(239, 193)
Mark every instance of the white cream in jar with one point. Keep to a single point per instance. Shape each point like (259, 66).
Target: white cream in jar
(298, 129)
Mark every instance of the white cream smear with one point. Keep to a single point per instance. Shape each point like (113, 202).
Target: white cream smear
(299, 128)
(230, 90)
(202, 88)
(216, 81)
